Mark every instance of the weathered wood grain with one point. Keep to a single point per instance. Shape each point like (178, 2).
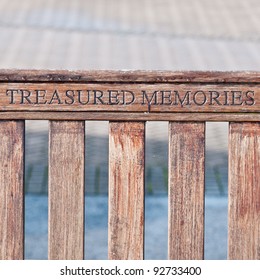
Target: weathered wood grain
(186, 99)
(142, 93)
(12, 190)
(66, 190)
(120, 97)
(126, 190)
(19, 75)
(128, 116)
(186, 190)
(244, 191)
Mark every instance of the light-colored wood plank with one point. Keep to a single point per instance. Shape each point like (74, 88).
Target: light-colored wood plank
(130, 97)
(66, 190)
(130, 91)
(186, 190)
(128, 116)
(12, 190)
(126, 190)
(244, 191)
(136, 76)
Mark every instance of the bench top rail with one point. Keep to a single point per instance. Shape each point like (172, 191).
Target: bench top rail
(129, 95)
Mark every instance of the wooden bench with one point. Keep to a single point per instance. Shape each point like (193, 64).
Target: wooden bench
(129, 99)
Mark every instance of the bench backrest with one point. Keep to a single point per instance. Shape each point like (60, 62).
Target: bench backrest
(129, 99)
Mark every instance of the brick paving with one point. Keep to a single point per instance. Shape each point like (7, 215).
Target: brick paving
(122, 34)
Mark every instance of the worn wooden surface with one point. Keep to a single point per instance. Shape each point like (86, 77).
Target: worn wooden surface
(121, 97)
(11, 190)
(186, 99)
(126, 190)
(129, 95)
(66, 190)
(244, 191)
(128, 76)
(186, 190)
(128, 116)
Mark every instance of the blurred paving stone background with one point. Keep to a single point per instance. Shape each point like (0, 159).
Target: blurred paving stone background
(122, 34)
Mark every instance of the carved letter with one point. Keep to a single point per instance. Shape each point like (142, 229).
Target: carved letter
(79, 97)
(111, 97)
(98, 97)
(204, 98)
(250, 98)
(166, 94)
(55, 97)
(236, 96)
(25, 96)
(154, 96)
(12, 91)
(70, 94)
(226, 97)
(125, 95)
(38, 96)
(214, 95)
(185, 98)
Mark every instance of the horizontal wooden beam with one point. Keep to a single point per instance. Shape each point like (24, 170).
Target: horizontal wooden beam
(121, 116)
(129, 95)
(117, 97)
(129, 76)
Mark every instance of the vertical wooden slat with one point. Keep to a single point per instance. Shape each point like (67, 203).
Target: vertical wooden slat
(186, 190)
(66, 189)
(11, 190)
(126, 190)
(244, 191)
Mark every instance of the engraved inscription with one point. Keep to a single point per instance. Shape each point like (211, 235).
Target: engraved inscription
(127, 97)
(69, 97)
(199, 98)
